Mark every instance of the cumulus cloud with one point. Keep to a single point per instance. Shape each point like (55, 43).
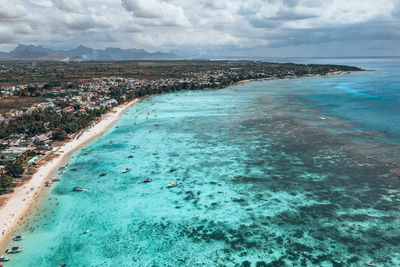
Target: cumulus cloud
(11, 11)
(69, 5)
(202, 26)
(156, 12)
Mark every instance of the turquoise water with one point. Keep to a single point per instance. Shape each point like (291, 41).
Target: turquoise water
(300, 172)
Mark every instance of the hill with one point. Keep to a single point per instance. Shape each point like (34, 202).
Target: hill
(33, 52)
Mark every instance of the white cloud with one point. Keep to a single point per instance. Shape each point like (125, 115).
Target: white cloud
(199, 25)
(74, 6)
(10, 11)
(156, 12)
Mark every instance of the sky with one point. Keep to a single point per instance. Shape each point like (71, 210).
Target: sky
(208, 28)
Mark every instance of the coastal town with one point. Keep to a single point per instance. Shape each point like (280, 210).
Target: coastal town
(37, 117)
(199, 133)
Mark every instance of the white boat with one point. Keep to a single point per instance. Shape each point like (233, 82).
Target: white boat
(4, 258)
(14, 250)
(126, 170)
(17, 238)
(173, 184)
(77, 188)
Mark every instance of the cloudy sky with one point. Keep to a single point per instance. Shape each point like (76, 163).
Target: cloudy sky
(208, 27)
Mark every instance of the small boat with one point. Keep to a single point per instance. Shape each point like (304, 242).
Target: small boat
(103, 174)
(77, 189)
(63, 265)
(173, 184)
(17, 238)
(156, 153)
(126, 170)
(130, 156)
(55, 180)
(14, 250)
(148, 180)
(4, 258)
(173, 169)
(74, 169)
(47, 184)
(370, 263)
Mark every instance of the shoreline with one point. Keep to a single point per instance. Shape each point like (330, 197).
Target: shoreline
(18, 204)
(290, 77)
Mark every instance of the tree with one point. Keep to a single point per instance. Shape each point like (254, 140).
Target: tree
(14, 169)
(31, 90)
(6, 182)
(71, 127)
(59, 135)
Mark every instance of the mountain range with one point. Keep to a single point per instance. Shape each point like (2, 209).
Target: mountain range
(33, 52)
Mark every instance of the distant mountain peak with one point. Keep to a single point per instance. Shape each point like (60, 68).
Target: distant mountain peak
(81, 52)
(82, 47)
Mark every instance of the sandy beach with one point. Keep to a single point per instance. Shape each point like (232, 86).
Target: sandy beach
(13, 212)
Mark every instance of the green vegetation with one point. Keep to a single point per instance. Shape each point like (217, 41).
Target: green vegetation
(6, 182)
(45, 121)
(14, 169)
(63, 75)
(59, 135)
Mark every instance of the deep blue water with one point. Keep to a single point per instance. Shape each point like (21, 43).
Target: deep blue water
(301, 172)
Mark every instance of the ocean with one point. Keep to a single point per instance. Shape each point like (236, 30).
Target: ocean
(295, 172)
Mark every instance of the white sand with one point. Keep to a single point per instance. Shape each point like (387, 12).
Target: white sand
(21, 200)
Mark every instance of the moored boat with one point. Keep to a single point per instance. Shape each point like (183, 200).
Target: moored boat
(173, 169)
(126, 170)
(77, 189)
(4, 258)
(55, 180)
(14, 250)
(148, 180)
(130, 156)
(63, 265)
(17, 238)
(103, 174)
(47, 184)
(173, 184)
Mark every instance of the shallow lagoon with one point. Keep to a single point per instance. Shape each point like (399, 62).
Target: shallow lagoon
(272, 173)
